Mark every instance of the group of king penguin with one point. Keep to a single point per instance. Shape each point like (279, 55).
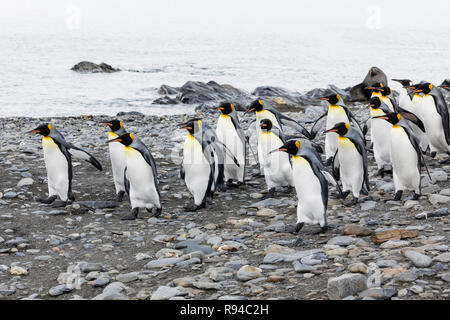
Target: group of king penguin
(402, 131)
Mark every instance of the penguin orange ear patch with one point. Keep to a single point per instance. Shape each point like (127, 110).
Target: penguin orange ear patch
(297, 144)
(338, 97)
(231, 106)
(260, 102)
(399, 117)
(347, 126)
(430, 86)
(50, 127)
(132, 136)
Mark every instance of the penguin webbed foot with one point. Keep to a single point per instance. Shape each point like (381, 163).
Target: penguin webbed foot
(119, 196)
(157, 213)
(48, 200)
(194, 207)
(352, 202)
(322, 230)
(345, 194)
(270, 194)
(398, 195)
(132, 216)
(61, 204)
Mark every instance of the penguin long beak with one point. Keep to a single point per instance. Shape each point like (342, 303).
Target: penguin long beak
(108, 124)
(410, 87)
(417, 91)
(380, 117)
(34, 131)
(445, 87)
(330, 130)
(249, 110)
(280, 149)
(114, 140)
(371, 105)
(219, 108)
(326, 99)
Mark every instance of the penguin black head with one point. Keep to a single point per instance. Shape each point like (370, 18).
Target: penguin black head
(375, 102)
(192, 126)
(226, 108)
(425, 88)
(44, 129)
(291, 147)
(114, 125)
(125, 139)
(385, 91)
(404, 82)
(341, 128)
(393, 117)
(266, 124)
(332, 98)
(256, 105)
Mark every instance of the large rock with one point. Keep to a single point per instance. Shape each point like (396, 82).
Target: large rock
(248, 272)
(374, 76)
(200, 92)
(418, 259)
(165, 293)
(90, 67)
(346, 285)
(356, 230)
(395, 234)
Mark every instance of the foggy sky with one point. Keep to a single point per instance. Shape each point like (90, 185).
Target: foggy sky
(217, 16)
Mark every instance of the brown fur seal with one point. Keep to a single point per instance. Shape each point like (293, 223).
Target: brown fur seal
(359, 92)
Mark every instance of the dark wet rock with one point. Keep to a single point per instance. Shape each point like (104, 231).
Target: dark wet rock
(359, 92)
(90, 67)
(379, 293)
(165, 89)
(165, 100)
(129, 113)
(200, 92)
(98, 204)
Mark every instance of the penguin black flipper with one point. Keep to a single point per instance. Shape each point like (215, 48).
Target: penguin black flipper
(182, 172)
(352, 118)
(317, 168)
(336, 166)
(416, 145)
(442, 109)
(84, 155)
(284, 120)
(126, 182)
(314, 131)
(237, 126)
(411, 117)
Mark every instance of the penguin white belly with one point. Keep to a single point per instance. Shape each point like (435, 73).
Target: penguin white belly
(310, 208)
(143, 193)
(118, 162)
(351, 167)
(404, 161)
(260, 115)
(388, 102)
(381, 138)
(335, 115)
(277, 168)
(57, 169)
(227, 134)
(433, 125)
(417, 110)
(197, 169)
(405, 102)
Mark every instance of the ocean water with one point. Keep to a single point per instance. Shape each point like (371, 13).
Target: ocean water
(36, 80)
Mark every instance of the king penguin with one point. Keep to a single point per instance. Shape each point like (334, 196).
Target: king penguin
(198, 167)
(58, 163)
(264, 111)
(433, 111)
(406, 155)
(351, 165)
(140, 176)
(311, 184)
(230, 133)
(379, 90)
(380, 135)
(277, 166)
(337, 112)
(117, 156)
